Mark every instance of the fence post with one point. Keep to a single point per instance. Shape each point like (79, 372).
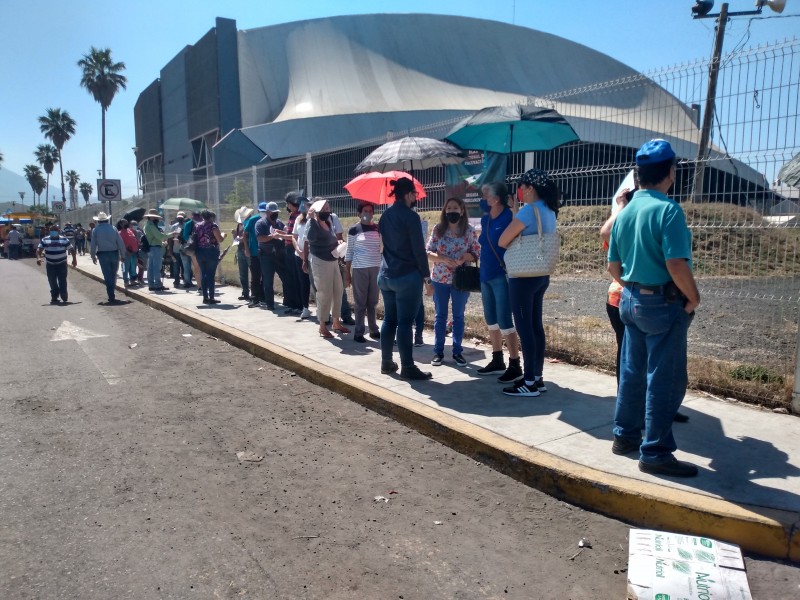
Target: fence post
(796, 389)
(255, 185)
(309, 171)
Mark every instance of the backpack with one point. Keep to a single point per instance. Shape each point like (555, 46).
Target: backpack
(144, 244)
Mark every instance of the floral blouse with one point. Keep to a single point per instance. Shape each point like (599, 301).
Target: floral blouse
(454, 247)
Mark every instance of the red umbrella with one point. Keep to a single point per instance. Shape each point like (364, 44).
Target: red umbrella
(374, 186)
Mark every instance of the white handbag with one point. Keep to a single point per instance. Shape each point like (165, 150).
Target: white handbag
(533, 255)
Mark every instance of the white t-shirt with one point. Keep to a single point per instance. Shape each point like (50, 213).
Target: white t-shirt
(300, 231)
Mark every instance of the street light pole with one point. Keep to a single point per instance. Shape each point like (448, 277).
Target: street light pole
(708, 112)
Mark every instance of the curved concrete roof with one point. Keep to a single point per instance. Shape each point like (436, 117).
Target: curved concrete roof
(315, 85)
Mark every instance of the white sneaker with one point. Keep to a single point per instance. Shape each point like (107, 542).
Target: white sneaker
(306, 314)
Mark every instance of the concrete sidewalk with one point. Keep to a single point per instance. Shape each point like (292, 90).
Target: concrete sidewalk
(748, 490)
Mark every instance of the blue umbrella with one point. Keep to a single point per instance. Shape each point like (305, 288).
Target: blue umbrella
(513, 128)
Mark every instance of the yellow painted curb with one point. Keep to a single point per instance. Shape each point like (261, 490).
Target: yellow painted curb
(768, 532)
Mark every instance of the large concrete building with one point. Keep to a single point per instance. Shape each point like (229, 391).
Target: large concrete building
(236, 99)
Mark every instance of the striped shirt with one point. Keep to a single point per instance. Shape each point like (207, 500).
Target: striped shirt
(363, 246)
(55, 249)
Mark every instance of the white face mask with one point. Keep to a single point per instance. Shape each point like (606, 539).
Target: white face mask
(366, 218)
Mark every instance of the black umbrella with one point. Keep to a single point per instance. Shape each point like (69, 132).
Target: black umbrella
(513, 128)
(134, 215)
(410, 153)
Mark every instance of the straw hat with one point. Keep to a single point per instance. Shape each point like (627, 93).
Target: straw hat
(101, 216)
(242, 214)
(152, 214)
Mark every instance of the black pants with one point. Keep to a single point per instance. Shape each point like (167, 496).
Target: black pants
(619, 330)
(256, 287)
(305, 282)
(57, 277)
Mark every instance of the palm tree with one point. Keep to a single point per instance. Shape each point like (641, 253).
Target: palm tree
(72, 180)
(38, 186)
(58, 127)
(86, 191)
(102, 78)
(47, 156)
(31, 174)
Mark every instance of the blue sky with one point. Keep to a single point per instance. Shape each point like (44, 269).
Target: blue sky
(42, 40)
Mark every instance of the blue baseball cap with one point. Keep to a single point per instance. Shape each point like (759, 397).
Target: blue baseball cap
(262, 207)
(654, 151)
(272, 207)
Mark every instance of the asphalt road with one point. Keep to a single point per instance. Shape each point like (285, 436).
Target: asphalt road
(119, 478)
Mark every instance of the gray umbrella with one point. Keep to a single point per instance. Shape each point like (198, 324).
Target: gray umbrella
(410, 153)
(790, 172)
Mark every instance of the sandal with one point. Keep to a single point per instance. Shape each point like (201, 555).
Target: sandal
(341, 329)
(325, 334)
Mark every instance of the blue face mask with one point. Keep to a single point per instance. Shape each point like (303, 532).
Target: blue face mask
(484, 205)
(54, 234)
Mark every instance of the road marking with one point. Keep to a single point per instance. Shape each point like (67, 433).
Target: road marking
(70, 331)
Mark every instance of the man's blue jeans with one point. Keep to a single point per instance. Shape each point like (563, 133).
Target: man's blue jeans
(442, 293)
(244, 270)
(652, 376)
(402, 297)
(154, 259)
(109, 265)
(187, 268)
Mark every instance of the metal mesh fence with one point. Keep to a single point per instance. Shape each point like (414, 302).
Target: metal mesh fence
(743, 341)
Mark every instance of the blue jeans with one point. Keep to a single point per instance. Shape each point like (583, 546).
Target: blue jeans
(442, 295)
(402, 297)
(496, 304)
(652, 375)
(526, 295)
(208, 259)
(129, 268)
(244, 270)
(154, 259)
(109, 265)
(187, 268)
(272, 262)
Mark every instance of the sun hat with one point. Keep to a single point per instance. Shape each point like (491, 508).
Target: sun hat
(152, 214)
(317, 206)
(654, 151)
(101, 216)
(273, 207)
(242, 214)
(180, 215)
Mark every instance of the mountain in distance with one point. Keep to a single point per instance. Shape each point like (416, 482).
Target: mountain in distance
(11, 184)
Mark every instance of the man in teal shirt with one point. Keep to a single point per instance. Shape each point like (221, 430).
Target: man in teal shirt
(250, 241)
(156, 253)
(650, 253)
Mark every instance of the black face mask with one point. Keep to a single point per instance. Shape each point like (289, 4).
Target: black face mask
(324, 216)
(453, 217)
(273, 216)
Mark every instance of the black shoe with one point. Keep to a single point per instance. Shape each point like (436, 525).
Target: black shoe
(161, 288)
(460, 360)
(437, 361)
(680, 418)
(348, 321)
(54, 301)
(375, 335)
(205, 300)
(418, 340)
(540, 386)
(520, 389)
(414, 373)
(244, 297)
(390, 367)
(513, 374)
(360, 339)
(213, 301)
(495, 366)
(623, 446)
(253, 304)
(672, 468)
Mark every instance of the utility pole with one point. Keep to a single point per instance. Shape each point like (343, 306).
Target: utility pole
(708, 112)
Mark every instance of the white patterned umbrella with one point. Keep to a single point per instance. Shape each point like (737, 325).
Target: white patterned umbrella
(411, 153)
(790, 172)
